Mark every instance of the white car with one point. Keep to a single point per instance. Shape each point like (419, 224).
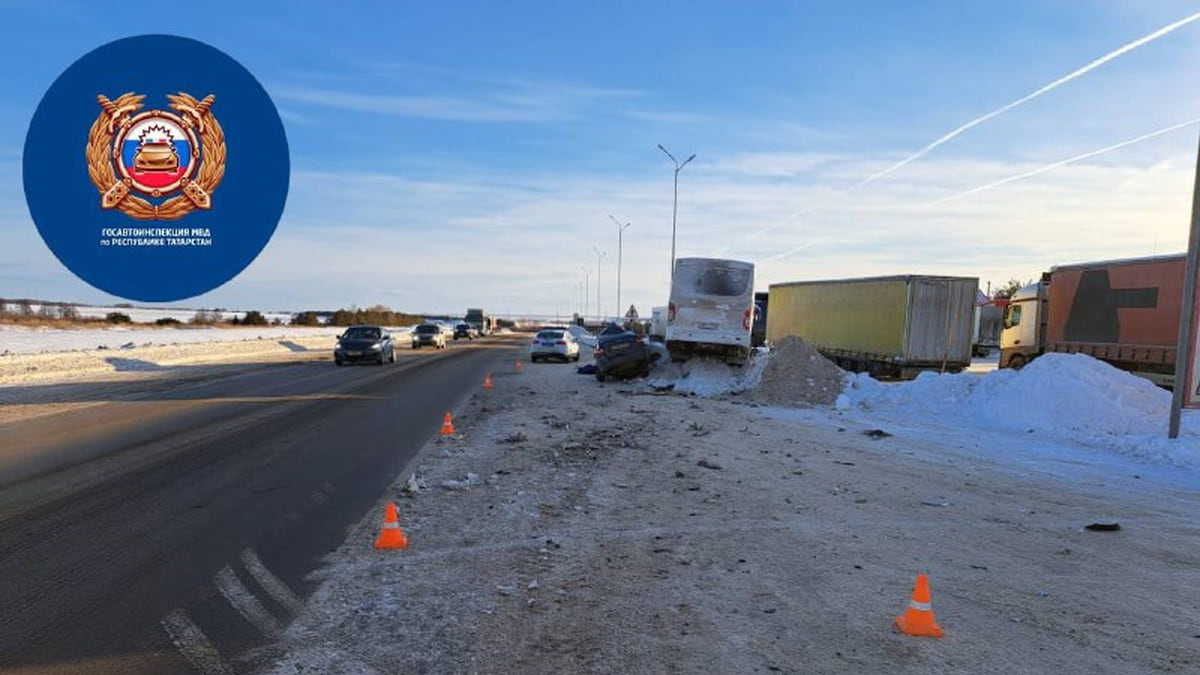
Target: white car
(554, 343)
(428, 335)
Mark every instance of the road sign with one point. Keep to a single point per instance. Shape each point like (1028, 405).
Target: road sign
(632, 313)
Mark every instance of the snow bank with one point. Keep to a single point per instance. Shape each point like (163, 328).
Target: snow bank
(1070, 397)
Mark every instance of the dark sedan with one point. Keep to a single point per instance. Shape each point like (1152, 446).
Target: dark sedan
(372, 344)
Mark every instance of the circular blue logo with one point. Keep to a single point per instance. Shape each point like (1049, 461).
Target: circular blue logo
(156, 168)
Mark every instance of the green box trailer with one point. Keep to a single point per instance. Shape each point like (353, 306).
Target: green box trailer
(893, 326)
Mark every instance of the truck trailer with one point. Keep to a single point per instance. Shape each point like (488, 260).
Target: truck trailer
(1124, 312)
(893, 326)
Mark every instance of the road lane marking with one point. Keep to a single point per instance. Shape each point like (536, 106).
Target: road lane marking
(273, 584)
(246, 604)
(193, 644)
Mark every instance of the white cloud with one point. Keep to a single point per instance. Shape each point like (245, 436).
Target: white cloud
(518, 100)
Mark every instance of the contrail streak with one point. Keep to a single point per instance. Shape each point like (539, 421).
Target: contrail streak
(1069, 160)
(795, 249)
(1029, 97)
(1169, 28)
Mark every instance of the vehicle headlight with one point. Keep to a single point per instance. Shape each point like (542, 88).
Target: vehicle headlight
(377, 346)
(337, 345)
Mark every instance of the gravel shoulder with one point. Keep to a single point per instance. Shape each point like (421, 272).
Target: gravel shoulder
(570, 526)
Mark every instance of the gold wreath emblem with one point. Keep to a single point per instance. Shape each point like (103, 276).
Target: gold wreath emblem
(116, 191)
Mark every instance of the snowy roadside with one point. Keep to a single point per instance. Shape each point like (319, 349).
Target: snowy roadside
(151, 361)
(25, 340)
(575, 527)
(41, 356)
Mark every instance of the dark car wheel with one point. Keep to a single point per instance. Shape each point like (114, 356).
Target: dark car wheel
(338, 362)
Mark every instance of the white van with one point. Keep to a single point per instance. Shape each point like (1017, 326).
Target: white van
(711, 309)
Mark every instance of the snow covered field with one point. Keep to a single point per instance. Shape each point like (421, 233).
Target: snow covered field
(46, 355)
(23, 340)
(152, 314)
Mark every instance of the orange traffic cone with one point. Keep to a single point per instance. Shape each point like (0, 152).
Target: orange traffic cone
(917, 618)
(487, 381)
(520, 367)
(391, 536)
(447, 424)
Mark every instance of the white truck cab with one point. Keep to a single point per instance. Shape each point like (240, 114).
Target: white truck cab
(711, 309)
(1022, 336)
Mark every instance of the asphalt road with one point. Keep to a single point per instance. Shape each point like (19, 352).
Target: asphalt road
(179, 522)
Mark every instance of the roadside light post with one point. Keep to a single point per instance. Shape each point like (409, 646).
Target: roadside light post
(620, 234)
(587, 275)
(599, 257)
(675, 202)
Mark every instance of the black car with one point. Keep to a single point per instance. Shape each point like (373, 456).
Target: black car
(621, 355)
(372, 344)
(464, 330)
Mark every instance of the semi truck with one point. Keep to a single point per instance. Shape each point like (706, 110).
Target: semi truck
(989, 322)
(482, 322)
(1124, 312)
(893, 326)
(710, 310)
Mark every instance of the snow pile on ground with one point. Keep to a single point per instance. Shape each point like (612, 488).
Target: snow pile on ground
(709, 378)
(798, 375)
(1070, 397)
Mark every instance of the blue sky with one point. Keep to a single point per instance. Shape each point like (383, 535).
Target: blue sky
(448, 155)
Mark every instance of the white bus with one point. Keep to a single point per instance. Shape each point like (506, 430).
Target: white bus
(711, 309)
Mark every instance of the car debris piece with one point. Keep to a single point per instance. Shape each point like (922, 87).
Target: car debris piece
(704, 463)
(875, 434)
(413, 485)
(1103, 527)
(471, 480)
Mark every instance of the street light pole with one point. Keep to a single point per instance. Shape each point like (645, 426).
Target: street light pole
(587, 275)
(599, 256)
(620, 234)
(675, 202)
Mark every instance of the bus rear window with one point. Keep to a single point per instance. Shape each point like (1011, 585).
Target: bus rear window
(722, 281)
